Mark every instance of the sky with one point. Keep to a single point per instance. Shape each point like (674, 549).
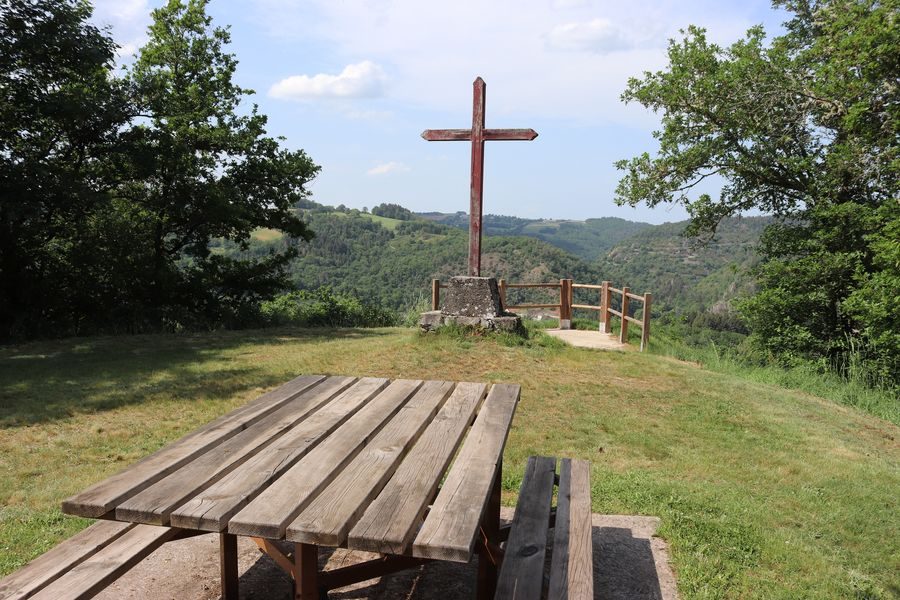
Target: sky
(355, 82)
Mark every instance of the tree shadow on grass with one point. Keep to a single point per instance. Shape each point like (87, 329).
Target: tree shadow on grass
(50, 380)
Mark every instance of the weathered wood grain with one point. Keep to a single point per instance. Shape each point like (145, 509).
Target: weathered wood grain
(450, 527)
(571, 572)
(269, 514)
(211, 508)
(49, 566)
(390, 522)
(92, 575)
(154, 504)
(521, 577)
(328, 518)
(104, 496)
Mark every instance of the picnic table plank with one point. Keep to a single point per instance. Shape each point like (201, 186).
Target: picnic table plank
(449, 531)
(154, 504)
(210, 509)
(101, 498)
(523, 566)
(391, 520)
(571, 574)
(328, 518)
(107, 565)
(49, 566)
(270, 512)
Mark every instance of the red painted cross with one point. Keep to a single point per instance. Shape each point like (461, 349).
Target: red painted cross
(478, 135)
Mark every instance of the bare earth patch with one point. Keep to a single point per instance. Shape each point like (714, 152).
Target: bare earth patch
(629, 563)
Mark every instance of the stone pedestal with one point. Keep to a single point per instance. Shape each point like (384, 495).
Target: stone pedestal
(472, 302)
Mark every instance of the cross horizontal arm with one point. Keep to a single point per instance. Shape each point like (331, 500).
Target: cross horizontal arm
(462, 135)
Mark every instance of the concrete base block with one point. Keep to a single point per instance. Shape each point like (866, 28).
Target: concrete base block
(565, 324)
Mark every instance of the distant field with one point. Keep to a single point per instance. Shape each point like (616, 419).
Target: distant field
(267, 235)
(763, 492)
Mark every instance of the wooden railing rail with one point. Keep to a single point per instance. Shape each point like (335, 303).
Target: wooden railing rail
(566, 304)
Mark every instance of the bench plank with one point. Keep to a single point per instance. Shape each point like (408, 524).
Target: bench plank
(154, 504)
(328, 518)
(572, 573)
(522, 574)
(210, 509)
(268, 515)
(50, 565)
(104, 496)
(390, 522)
(449, 531)
(92, 575)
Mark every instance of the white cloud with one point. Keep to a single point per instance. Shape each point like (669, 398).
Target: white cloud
(128, 19)
(361, 80)
(596, 35)
(388, 167)
(435, 50)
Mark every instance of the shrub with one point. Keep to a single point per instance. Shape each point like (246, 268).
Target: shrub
(325, 308)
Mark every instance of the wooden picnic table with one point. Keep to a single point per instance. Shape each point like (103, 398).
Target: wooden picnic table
(332, 461)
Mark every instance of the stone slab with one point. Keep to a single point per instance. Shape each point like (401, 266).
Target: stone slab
(472, 297)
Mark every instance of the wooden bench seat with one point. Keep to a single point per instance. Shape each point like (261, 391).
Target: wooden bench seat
(86, 563)
(571, 570)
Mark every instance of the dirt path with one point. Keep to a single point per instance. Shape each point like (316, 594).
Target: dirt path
(588, 339)
(629, 563)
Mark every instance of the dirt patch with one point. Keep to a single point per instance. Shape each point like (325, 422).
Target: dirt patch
(629, 563)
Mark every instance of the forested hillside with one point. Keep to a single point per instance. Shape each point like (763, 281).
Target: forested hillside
(590, 239)
(391, 261)
(681, 272)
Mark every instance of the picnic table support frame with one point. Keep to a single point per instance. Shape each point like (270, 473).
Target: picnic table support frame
(228, 563)
(488, 560)
(306, 566)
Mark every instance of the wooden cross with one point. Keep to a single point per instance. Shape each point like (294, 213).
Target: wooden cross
(478, 135)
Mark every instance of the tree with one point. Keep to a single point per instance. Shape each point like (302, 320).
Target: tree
(60, 111)
(804, 127)
(197, 168)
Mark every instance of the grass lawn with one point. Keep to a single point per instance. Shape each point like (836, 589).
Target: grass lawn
(763, 492)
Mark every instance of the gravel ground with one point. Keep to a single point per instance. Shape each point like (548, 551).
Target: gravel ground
(629, 563)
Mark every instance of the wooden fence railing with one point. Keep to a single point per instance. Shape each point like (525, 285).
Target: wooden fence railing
(566, 304)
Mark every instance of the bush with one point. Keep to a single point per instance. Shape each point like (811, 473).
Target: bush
(325, 308)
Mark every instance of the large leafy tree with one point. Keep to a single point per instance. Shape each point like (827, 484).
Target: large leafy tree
(60, 111)
(805, 127)
(199, 166)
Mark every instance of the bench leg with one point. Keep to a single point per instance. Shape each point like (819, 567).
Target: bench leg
(306, 566)
(490, 532)
(228, 561)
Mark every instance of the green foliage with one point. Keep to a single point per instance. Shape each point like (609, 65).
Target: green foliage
(393, 211)
(112, 189)
(324, 308)
(212, 171)
(804, 127)
(60, 112)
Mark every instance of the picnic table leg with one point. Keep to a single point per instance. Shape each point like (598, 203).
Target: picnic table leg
(306, 566)
(228, 561)
(490, 530)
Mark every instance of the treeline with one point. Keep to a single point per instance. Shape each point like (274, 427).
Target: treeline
(112, 186)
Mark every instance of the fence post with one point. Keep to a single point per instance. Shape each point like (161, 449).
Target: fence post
(435, 294)
(502, 285)
(623, 333)
(604, 308)
(565, 304)
(645, 319)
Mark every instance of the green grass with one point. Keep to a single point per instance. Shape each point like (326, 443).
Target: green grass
(763, 491)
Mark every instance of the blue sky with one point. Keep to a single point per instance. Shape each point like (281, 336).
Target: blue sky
(355, 82)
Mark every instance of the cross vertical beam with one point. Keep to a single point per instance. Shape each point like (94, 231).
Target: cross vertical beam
(478, 135)
(476, 206)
